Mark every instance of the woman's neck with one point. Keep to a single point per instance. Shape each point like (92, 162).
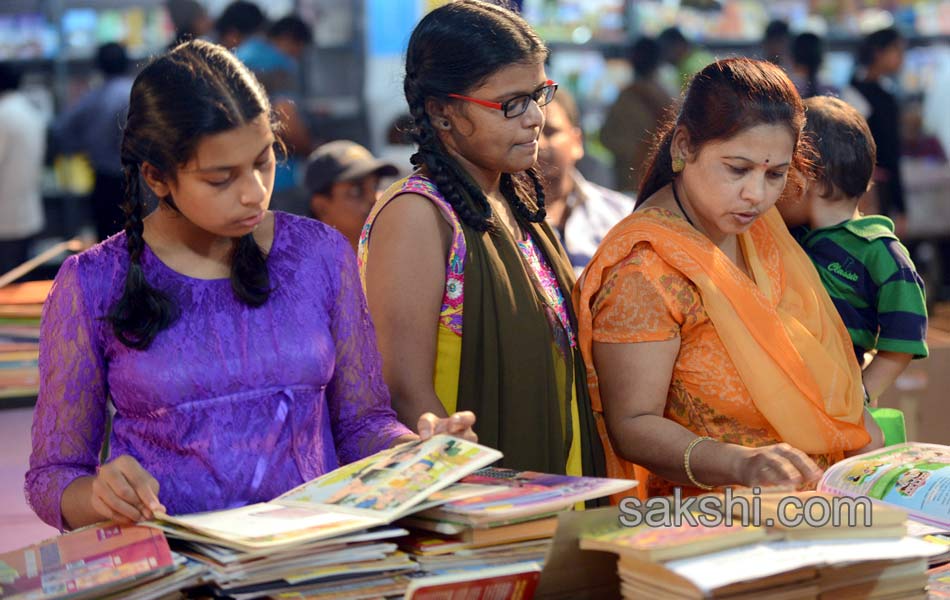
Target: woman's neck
(681, 199)
(487, 180)
(169, 232)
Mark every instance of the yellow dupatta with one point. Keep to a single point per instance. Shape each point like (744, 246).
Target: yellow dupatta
(793, 352)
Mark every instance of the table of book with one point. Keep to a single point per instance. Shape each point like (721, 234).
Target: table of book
(433, 519)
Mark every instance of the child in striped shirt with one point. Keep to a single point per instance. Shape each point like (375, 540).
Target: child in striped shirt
(866, 270)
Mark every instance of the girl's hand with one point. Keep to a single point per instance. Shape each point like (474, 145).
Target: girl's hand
(459, 424)
(125, 492)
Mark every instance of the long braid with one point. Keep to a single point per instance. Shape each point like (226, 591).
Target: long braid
(516, 191)
(142, 311)
(250, 279)
(442, 168)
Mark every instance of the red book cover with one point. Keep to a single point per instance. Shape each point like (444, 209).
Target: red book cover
(96, 557)
(514, 582)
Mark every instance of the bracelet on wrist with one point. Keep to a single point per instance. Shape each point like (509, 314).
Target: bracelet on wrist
(686, 467)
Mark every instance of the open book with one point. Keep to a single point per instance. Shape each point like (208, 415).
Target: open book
(912, 476)
(368, 493)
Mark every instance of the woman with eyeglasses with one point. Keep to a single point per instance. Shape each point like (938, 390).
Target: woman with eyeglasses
(469, 289)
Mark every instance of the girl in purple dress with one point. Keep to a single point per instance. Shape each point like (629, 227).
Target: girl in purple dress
(233, 342)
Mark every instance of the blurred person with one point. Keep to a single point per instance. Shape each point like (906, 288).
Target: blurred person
(342, 178)
(808, 53)
(775, 42)
(580, 211)
(632, 120)
(93, 126)
(936, 117)
(872, 92)
(682, 54)
(190, 19)
(22, 147)
(274, 58)
(237, 22)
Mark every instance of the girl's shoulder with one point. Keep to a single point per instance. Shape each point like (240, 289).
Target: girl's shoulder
(306, 235)
(308, 251)
(96, 276)
(103, 261)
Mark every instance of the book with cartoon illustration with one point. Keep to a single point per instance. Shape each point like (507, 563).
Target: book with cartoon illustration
(912, 476)
(368, 493)
(511, 496)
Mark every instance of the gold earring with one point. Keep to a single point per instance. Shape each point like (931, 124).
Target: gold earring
(678, 164)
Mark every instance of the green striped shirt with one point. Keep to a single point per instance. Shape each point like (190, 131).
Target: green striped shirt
(873, 282)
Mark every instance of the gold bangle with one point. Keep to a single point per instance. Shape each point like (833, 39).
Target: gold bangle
(689, 472)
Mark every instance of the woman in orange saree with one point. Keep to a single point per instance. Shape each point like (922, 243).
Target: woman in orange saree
(714, 355)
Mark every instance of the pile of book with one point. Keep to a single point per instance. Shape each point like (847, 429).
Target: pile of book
(337, 536)
(843, 568)
(500, 517)
(99, 561)
(20, 308)
(856, 542)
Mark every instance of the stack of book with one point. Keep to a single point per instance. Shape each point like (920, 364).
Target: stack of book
(855, 542)
(20, 308)
(96, 561)
(938, 584)
(697, 562)
(510, 517)
(331, 535)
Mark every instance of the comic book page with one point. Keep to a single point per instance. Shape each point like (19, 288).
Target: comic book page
(391, 483)
(368, 493)
(912, 476)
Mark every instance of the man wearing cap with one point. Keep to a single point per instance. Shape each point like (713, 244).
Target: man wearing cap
(342, 178)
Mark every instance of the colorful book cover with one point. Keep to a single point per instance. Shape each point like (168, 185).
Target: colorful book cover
(528, 493)
(368, 493)
(938, 585)
(912, 476)
(665, 543)
(99, 557)
(514, 582)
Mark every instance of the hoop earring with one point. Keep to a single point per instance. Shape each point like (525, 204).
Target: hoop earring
(678, 164)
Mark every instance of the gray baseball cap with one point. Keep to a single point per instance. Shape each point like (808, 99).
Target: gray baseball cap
(343, 160)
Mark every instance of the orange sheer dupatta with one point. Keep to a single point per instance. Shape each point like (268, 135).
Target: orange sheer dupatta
(793, 352)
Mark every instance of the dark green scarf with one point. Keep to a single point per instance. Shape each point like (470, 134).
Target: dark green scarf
(512, 375)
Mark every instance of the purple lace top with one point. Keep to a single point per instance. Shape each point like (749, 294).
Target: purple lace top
(230, 405)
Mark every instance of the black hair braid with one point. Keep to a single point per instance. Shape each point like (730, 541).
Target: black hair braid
(142, 311)
(250, 279)
(515, 191)
(443, 169)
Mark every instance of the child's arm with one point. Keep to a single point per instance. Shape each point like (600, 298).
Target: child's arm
(883, 370)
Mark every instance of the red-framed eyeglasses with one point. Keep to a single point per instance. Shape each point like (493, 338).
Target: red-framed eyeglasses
(516, 106)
